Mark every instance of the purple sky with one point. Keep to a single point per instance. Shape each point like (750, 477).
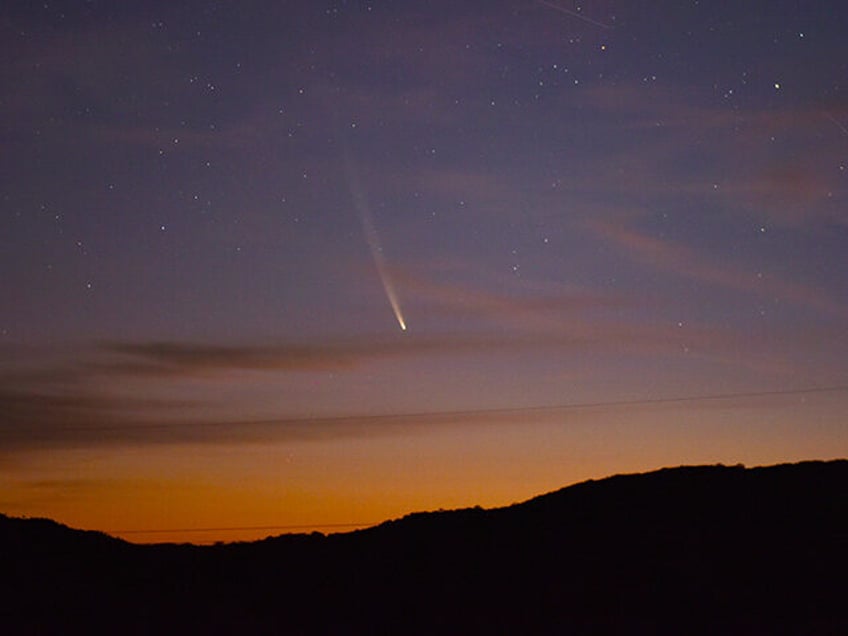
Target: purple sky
(206, 207)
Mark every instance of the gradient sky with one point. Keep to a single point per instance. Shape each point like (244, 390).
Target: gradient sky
(216, 217)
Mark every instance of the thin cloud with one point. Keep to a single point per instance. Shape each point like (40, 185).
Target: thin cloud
(527, 307)
(41, 422)
(116, 431)
(40, 419)
(173, 360)
(740, 153)
(94, 407)
(94, 400)
(678, 259)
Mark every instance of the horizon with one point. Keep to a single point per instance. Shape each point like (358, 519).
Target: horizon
(758, 549)
(236, 534)
(332, 263)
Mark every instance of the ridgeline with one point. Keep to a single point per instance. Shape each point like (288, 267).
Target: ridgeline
(688, 550)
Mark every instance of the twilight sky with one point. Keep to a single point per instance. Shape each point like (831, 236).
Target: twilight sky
(218, 218)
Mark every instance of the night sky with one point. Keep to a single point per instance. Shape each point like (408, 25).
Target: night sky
(293, 265)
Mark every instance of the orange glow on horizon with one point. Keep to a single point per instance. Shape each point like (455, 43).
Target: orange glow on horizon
(204, 493)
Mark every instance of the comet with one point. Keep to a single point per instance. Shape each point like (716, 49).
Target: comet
(366, 218)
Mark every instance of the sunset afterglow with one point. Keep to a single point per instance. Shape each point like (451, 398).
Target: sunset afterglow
(311, 266)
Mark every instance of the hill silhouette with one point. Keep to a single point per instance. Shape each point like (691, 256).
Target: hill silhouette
(689, 550)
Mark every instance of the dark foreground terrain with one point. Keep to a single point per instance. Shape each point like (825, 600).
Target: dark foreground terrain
(709, 550)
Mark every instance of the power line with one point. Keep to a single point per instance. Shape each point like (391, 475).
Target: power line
(240, 528)
(551, 407)
(480, 412)
(419, 415)
(690, 398)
